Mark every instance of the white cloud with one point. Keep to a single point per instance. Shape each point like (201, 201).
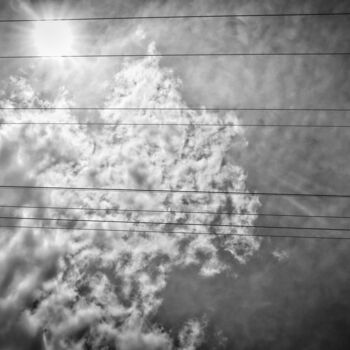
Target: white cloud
(108, 284)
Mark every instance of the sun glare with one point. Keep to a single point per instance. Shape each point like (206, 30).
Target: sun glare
(53, 38)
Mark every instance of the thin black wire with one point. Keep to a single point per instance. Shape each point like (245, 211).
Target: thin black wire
(174, 109)
(178, 223)
(175, 211)
(313, 14)
(180, 124)
(121, 189)
(179, 232)
(215, 54)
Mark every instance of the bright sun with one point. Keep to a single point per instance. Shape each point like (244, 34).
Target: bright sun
(53, 38)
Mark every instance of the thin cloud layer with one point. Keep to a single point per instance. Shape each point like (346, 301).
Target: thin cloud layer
(101, 288)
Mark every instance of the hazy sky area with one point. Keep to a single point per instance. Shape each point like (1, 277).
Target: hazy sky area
(97, 289)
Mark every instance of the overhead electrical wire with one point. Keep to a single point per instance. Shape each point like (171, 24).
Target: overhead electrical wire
(178, 232)
(175, 109)
(177, 223)
(150, 17)
(174, 211)
(183, 124)
(219, 192)
(217, 125)
(194, 54)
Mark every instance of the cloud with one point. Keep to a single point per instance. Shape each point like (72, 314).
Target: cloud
(100, 287)
(192, 334)
(280, 255)
(27, 263)
(28, 259)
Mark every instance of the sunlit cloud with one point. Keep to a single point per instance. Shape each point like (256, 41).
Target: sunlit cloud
(108, 285)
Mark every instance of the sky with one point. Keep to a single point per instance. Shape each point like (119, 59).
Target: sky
(95, 288)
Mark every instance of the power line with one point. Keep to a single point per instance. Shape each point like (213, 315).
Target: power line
(243, 15)
(179, 223)
(176, 211)
(230, 54)
(121, 189)
(175, 109)
(179, 124)
(179, 232)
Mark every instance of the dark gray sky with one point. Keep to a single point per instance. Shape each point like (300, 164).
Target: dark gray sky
(292, 294)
